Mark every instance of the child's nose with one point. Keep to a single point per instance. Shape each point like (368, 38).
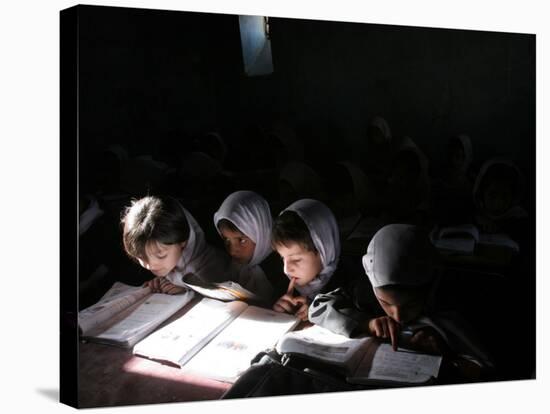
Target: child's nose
(234, 249)
(287, 268)
(396, 315)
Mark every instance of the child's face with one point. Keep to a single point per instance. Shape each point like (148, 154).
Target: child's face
(456, 156)
(239, 246)
(401, 306)
(161, 258)
(299, 263)
(497, 198)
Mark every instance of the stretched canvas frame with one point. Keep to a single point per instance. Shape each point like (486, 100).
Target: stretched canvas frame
(76, 137)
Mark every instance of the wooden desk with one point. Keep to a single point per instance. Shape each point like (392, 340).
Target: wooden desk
(110, 376)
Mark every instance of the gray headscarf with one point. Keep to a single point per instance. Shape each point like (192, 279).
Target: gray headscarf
(323, 230)
(198, 257)
(398, 254)
(251, 214)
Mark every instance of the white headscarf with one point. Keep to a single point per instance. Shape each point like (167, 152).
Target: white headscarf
(323, 230)
(515, 211)
(383, 126)
(251, 214)
(198, 257)
(407, 144)
(466, 143)
(119, 152)
(89, 216)
(398, 254)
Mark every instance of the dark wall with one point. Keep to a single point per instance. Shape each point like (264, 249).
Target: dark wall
(149, 78)
(153, 79)
(428, 83)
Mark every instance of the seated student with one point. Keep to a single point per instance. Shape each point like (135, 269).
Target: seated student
(379, 146)
(399, 299)
(306, 237)
(497, 196)
(244, 223)
(298, 180)
(164, 238)
(452, 189)
(407, 194)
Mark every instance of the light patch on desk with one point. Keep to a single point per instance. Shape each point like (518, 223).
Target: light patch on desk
(155, 370)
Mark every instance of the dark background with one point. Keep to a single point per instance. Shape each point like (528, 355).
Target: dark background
(152, 79)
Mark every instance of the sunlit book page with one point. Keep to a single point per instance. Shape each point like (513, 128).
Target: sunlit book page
(138, 321)
(230, 353)
(178, 341)
(118, 298)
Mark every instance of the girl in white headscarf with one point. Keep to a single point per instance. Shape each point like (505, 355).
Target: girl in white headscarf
(398, 303)
(306, 237)
(406, 197)
(164, 238)
(298, 180)
(379, 146)
(497, 195)
(452, 191)
(244, 223)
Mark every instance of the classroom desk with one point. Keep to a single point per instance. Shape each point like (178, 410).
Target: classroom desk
(110, 376)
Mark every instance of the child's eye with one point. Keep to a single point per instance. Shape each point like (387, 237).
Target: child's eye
(243, 241)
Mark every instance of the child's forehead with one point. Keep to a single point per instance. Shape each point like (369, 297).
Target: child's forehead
(290, 248)
(229, 232)
(154, 246)
(397, 297)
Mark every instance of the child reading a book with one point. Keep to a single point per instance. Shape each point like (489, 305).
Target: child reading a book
(244, 223)
(398, 303)
(306, 237)
(497, 196)
(164, 238)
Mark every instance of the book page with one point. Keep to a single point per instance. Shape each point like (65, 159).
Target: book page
(118, 298)
(178, 341)
(460, 231)
(320, 343)
(399, 366)
(456, 245)
(152, 311)
(229, 354)
(226, 291)
(500, 239)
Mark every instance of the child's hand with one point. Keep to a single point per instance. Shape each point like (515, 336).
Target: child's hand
(286, 303)
(428, 340)
(154, 284)
(170, 288)
(301, 308)
(385, 327)
(162, 285)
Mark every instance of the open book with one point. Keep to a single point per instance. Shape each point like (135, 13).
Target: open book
(126, 314)
(466, 238)
(216, 339)
(361, 360)
(226, 291)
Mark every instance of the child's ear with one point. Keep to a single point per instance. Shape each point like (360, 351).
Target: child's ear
(183, 244)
